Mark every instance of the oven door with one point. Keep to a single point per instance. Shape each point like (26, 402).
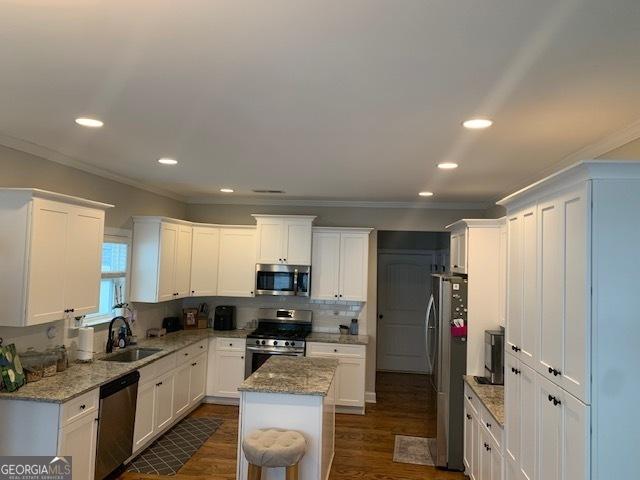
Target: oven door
(282, 280)
(255, 357)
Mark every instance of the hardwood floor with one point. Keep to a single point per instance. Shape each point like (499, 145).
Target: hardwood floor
(364, 444)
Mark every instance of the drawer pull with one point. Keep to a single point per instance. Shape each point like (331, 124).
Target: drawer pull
(469, 397)
(194, 364)
(83, 406)
(488, 425)
(158, 384)
(335, 350)
(468, 417)
(186, 353)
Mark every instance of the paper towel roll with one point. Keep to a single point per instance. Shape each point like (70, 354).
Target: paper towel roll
(85, 344)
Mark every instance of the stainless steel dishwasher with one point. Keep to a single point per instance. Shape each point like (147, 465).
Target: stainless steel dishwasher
(116, 422)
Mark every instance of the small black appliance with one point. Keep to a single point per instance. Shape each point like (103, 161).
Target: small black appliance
(224, 317)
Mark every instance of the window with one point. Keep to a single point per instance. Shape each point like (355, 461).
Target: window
(114, 279)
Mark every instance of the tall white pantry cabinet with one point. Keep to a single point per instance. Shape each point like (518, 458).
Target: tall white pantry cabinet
(572, 328)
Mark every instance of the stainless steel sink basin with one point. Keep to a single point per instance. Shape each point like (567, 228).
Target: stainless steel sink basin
(131, 355)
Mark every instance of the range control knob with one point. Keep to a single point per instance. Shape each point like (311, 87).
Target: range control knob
(286, 344)
(263, 342)
(293, 344)
(257, 342)
(275, 342)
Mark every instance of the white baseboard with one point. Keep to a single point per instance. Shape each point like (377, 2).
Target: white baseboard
(222, 400)
(370, 397)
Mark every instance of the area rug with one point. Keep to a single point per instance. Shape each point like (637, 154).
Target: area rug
(413, 450)
(170, 452)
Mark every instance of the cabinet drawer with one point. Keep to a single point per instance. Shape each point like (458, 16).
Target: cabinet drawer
(355, 351)
(79, 407)
(489, 424)
(472, 398)
(197, 348)
(147, 373)
(230, 344)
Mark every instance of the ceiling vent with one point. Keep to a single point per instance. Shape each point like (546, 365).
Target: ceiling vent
(257, 190)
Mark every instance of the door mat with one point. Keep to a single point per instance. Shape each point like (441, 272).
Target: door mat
(170, 452)
(414, 450)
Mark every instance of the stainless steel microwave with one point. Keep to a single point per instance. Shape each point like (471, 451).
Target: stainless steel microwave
(276, 279)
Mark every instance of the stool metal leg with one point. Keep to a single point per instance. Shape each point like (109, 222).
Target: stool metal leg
(255, 472)
(292, 472)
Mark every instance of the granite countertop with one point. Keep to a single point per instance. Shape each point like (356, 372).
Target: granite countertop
(79, 378)
(293, 375)
(491, 396)
(338, 338)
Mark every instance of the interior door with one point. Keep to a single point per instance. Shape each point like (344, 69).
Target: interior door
(404, 289)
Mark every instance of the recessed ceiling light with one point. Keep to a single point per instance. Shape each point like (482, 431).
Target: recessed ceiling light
(89, 122)
(447, 165)
(168, 161)
(477, 123)
(426, 194)
(226, 190)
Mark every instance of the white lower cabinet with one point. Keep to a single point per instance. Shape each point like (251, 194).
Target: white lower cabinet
(226, 367)
(483, 440)
(78, 440)
(167, 392)
(350, 375)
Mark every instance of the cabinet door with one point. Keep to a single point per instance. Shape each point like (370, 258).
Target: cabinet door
(145, 410)
(502, 273)
(164, 401)
(354, 264)
(576, 346)
(496, 464)
(529, 269)
(237, 268)
(181, 395)
(297, 242)
(462, 252)
(550, 425)
(513, 330)
(325, 268)
(204, 261)
(455, 252)
(78, 440)
(83, 261)
(229, 367)
(512, 406)
(183, 261)
(485, 455)
(198, 376)
(551, 261)
(528, 422)
(166, 271)
(350, 382)
(270, 240)
(47, 262)
(470, 441)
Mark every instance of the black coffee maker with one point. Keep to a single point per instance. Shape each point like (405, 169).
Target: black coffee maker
(224, 317)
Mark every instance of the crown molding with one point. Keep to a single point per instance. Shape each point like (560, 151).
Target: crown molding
(337, 203)
(590, 152)
(57, 157)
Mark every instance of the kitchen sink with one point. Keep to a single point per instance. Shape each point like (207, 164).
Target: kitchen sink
(131, 355)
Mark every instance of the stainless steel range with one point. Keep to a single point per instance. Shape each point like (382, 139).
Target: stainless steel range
(279, 332)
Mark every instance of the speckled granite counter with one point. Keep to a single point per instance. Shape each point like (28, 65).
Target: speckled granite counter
(292, 375)
(338, 338)
(491, 396)
(238, 333)
(80, 378)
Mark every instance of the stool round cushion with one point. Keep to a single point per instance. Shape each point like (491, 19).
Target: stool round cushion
(274, 447)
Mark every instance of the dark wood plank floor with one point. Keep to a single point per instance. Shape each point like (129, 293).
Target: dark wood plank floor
(364, 444)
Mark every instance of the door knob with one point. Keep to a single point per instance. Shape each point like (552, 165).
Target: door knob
(380, 316)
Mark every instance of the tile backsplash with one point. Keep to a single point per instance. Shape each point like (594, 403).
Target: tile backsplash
(327, 315)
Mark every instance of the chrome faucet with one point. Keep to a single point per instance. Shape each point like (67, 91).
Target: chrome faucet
(110, 340)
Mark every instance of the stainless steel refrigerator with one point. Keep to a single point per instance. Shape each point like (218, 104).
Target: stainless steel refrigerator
(447, 355)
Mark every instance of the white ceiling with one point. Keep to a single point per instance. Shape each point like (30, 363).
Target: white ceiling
(326, 99)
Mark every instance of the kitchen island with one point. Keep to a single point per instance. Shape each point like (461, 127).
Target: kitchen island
(293, 393)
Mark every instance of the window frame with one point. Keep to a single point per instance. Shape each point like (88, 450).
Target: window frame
(112, 235)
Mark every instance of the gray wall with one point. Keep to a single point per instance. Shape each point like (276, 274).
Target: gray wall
(405, 240)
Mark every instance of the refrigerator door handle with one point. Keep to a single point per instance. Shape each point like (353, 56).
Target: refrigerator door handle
(429, 328)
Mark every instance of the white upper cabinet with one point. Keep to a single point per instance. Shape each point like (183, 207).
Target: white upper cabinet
(161, 259)
(237, 267)
(340, 263)
(283, 239)
(51, 256)
(204, 261)
(458, 255)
